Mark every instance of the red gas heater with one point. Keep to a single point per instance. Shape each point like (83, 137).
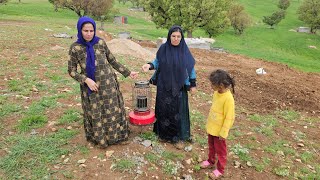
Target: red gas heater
(141, 98)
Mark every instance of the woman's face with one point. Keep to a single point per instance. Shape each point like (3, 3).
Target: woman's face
(87, 32)
(175, 38)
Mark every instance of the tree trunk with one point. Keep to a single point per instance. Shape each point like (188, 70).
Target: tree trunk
(189, 34)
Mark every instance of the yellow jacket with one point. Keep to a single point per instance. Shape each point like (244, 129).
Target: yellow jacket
(221, 115)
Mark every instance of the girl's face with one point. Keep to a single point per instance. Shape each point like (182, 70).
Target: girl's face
(220, 88)
(87, 32)
(175, 38)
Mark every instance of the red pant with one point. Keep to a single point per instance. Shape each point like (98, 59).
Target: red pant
(217, 147)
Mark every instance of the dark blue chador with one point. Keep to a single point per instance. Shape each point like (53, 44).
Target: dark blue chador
(175, 63)
(172, 111)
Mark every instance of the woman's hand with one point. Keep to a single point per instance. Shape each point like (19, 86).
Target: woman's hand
(193, 90)
(91, 84)
(134, 75)
(146, 67)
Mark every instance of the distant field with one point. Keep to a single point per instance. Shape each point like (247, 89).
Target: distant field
(258, 41)
(280, 44)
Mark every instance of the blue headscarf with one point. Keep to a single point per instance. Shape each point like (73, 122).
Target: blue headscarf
(90, 61)
(175, 63)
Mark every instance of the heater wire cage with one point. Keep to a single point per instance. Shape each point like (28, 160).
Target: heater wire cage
(141, 96)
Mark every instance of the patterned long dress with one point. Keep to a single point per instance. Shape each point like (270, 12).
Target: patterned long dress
(105, 120)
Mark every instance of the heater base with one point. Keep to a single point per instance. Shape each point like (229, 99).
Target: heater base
(142, 118)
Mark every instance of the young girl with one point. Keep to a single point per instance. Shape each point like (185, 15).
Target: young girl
(220, 120)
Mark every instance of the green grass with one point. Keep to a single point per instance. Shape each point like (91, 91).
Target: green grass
(242, 152)
(282, 171)
(39, 106)
(278, 147)
(29, 157)
(258, 41)
(31, 122)
(151, 157)
(124, 165)
(8, 109)
(149, 135)
(289, 115)
(172, 155)
(279, 44)
(306, 157)
(70, 116)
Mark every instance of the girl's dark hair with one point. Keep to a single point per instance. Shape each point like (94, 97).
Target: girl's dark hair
(220, 76)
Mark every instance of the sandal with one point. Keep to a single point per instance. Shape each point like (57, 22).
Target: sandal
(216, 174)
(205, 164)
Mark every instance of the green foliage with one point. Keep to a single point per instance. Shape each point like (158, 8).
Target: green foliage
(172, 155)
(123, 1)
(153, 158)
(202, 140)
(282, 171)
(37, 108)
(70, 116)
(170, 167)
(306, 156)
(275, 18)
(149, 135)
(284, 4)
(7, 109)
(124, 165)
(267, 123)
(198, 120)
(262, 165)
(240, 151)
(209, 15)
(3, 1)
(278, 146)
(30, 156)
(309, 13)
(289, 115)
(85, 7)
(83, 149)
(240, 20)
(30, 122)
(197, 167)
(267, 119)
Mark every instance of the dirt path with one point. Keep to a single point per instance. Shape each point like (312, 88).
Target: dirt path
(281, 88)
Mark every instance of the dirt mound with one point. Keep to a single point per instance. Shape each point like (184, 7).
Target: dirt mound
(146, 43)
(129, 48)
(281, 88)
(104, 35)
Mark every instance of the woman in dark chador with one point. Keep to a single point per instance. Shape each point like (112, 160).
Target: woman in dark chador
(174, 77)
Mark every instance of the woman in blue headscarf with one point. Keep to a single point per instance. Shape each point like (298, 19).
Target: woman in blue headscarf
(102, 102)
(174, 76)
